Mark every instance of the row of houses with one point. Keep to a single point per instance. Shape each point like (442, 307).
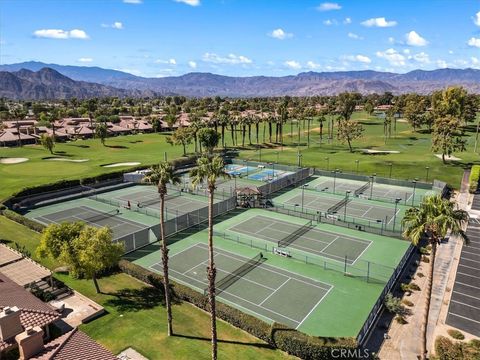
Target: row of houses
(29, 131)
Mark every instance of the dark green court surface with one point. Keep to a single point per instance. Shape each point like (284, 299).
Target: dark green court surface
(120, 226)
(313, 241)
(263, 290)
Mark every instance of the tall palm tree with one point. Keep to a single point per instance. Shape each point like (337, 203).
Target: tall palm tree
(161, 175)
(210, 170)
(431, 221)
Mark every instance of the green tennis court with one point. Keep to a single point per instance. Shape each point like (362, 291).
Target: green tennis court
(119, 226)
(312, 240)
(356, 210)
(265, 291)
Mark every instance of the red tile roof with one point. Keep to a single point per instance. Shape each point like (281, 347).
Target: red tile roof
(74, 345)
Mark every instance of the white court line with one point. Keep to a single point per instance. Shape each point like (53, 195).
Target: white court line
(459, 272)
(318, 303)
(278, 288)
(470, 253)
(463, 317)
(469, 267)
(463, 294)
(466, 259)
(461, 303)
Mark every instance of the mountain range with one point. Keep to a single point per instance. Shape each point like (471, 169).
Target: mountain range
(37, 80)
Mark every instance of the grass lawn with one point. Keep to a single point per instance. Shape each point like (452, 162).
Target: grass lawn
(145, 148)
(137, 318)
(414, 147)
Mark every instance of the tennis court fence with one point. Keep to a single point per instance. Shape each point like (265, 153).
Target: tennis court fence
(372, 318)
(349, 222)
(147, 236)
(364, 270)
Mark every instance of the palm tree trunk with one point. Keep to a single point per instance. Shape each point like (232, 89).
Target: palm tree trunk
(211, 274)
(423, 348)
(166, 283)
(232, 131)
(308, 132)
(223, 135)
(270, 132)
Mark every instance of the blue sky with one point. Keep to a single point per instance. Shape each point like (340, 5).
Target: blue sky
(242, 37)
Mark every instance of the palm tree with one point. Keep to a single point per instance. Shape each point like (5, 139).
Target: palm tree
(161, 175)
(210, 170)
(431, 221)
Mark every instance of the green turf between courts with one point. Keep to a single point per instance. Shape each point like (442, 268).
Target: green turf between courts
(341, 312)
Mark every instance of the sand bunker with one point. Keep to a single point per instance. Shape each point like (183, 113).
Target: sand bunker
(13, 160)
(69, 160)
(122, 164)
(370, 151)
(448, 158)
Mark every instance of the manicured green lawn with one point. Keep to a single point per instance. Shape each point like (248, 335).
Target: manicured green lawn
(137, 318)
(414, 147)
(147, 149)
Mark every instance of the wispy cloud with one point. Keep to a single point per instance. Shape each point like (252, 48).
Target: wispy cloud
(313, 65)
(192, 64)
(280, 34)
(292, 64)
(475, 42)
(476, 19)
(392, 56)
(328, 6)
(357, 58)
(189, 2)
(85, 60)
(414, 39)
(169, 61)
(135, 2)
(116, 25)
(231, 59)
(354, 36)
(61, 34)
(379, 22)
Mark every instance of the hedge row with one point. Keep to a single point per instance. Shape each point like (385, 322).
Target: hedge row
(474, 178)
(446, 349)
(286, 339)
(31, 224)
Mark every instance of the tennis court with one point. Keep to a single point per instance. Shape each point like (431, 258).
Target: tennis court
(305, 237)
(260, 289)
(120, 226)
(350, 209)
(369, 190)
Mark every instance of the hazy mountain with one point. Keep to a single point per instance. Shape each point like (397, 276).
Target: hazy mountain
(303, 84)
(47, 83)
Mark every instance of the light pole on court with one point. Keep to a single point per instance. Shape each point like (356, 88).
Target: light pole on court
(246, 164)
(327, 159)
(427, 168)
(357, 162)
(414, 188)
(346, 202)
(397, 200)
(371, 185)
(391, 166)
(334, 179)
(299, 159)
(303, 193)
(278, 154)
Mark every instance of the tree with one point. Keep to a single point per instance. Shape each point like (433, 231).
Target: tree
(210, 170)
(346, 104)
(348, 131)
(209, 139)
(161, 175)
(56, 243)
(414, 108)
(47, 142)
(182, 136)
(446, 136)
(369, 108)
(101, 131)
(432, 220)
(96, 252)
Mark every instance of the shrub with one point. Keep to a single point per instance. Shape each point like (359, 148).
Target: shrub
(31, 224)
(424, 251)
(394, 304)
(420, 275)
(414, 287)
(447, 350)
(425, 259)
(407, 302)
(474, 177)
(280, 336)
(400, 319)
(456, 334)
(405, 288)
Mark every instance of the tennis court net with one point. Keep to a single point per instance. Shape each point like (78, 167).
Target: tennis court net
(333, 209)
(156, 200)
(295, 235)
(361, 189)
(102, 216)
(237, 274)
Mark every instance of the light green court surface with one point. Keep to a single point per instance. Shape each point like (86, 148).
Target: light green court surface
(341, 312)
